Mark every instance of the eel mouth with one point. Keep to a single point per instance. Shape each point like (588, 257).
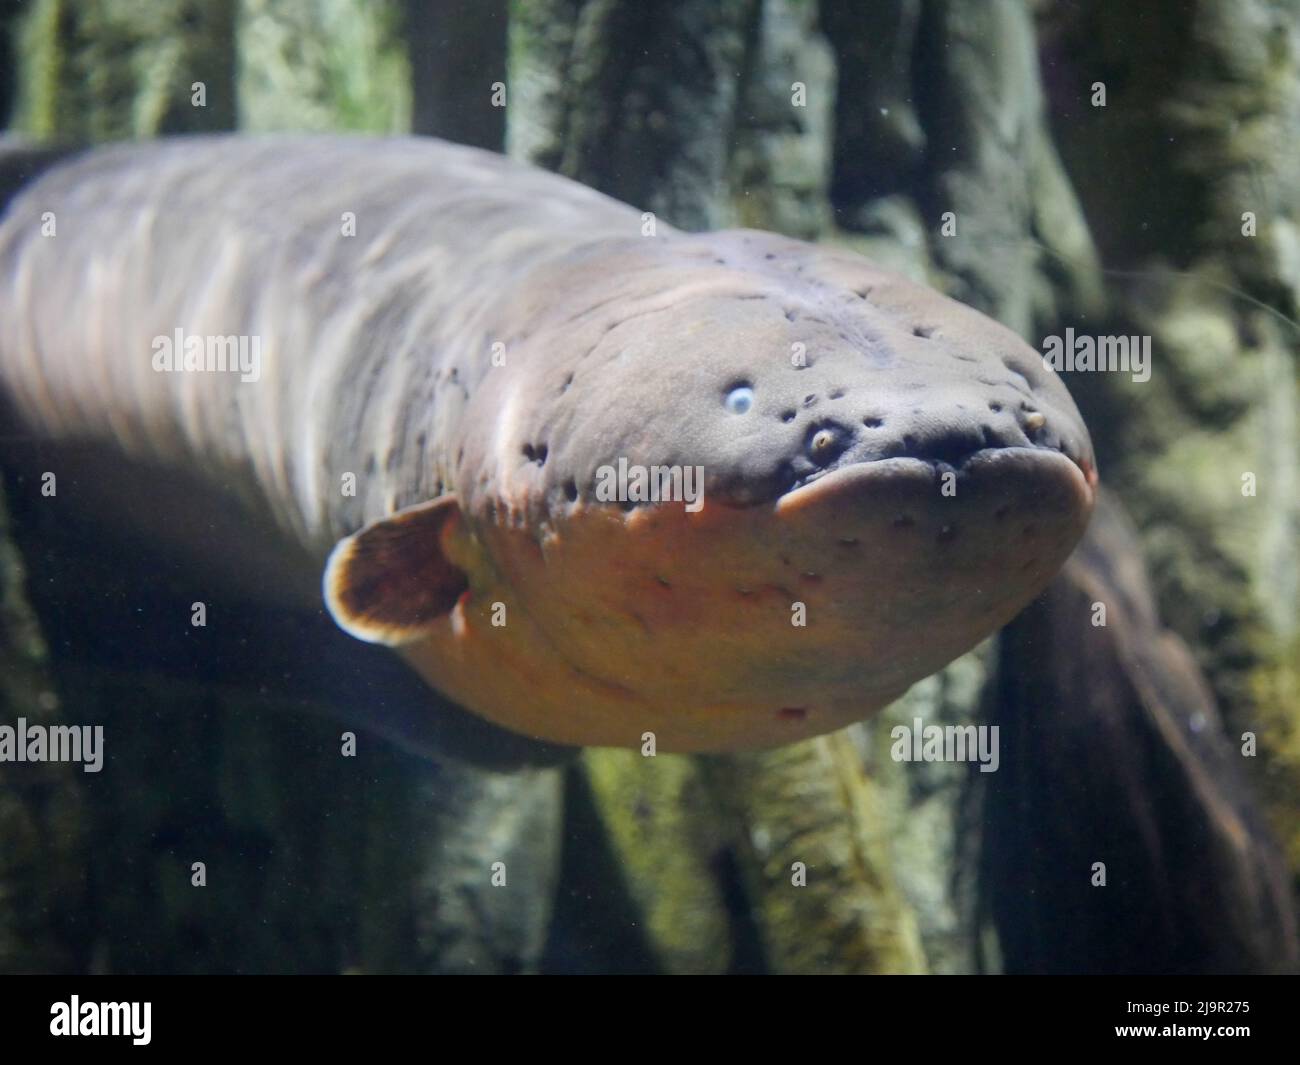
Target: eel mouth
(833, 449)
(857, 478)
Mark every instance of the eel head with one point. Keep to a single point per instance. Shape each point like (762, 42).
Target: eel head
(729, 489)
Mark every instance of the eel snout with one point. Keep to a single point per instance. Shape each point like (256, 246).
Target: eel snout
(946, 435)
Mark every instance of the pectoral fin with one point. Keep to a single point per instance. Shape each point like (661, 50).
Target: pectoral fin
(392, 580)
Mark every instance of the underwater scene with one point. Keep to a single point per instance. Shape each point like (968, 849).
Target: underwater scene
(603, 487)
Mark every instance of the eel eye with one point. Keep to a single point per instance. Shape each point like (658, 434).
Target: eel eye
(739, 400)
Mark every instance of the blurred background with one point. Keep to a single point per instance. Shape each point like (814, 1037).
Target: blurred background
(1116, 168)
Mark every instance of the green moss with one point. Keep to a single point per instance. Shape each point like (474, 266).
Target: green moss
(40, 70)
(1276, 689)
(665, 831)
(119, 69)
(316, 65)
(813, 843)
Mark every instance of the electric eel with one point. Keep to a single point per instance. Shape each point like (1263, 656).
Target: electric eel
(592, 477)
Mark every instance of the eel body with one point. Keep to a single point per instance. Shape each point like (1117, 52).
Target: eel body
(450, 357)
